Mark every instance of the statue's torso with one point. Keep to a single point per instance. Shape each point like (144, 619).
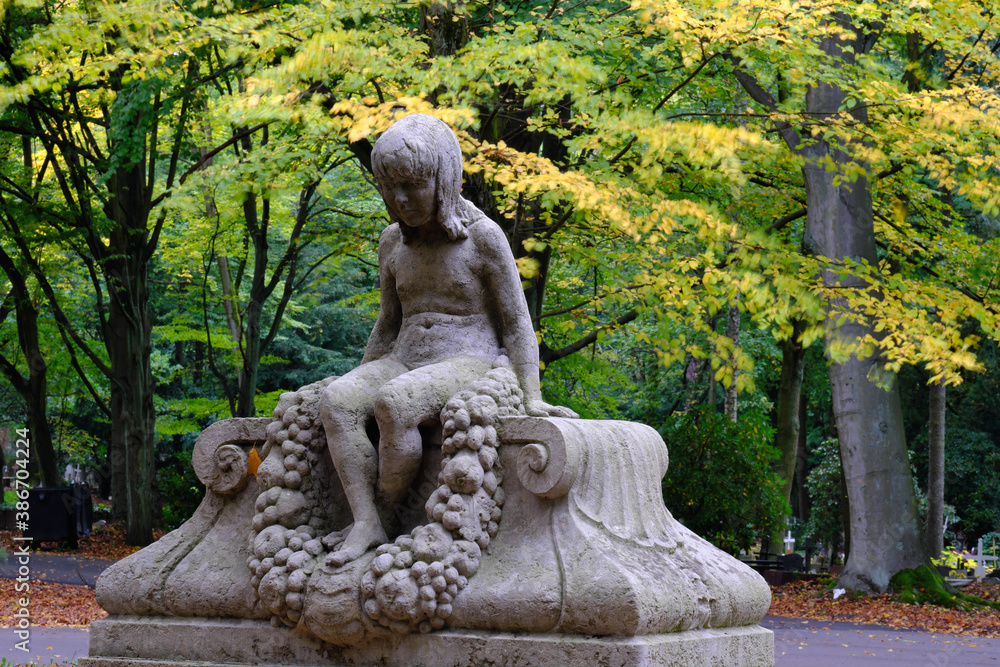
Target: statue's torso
(444, 304)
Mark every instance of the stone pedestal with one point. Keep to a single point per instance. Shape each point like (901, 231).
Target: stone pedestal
(136, 641)
(586, 567)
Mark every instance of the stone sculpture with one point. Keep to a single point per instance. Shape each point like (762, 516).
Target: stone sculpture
(521, 534)
(451, 307)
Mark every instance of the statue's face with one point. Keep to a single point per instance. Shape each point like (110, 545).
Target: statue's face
(414, 200)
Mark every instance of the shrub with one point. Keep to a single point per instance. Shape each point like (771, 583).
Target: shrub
(720, 483)
(180, 489)
(824, 486)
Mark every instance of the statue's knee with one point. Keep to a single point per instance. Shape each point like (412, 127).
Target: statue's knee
(340, 404)
(392, 409)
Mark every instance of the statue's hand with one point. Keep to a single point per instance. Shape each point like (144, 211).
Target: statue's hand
(539, 408)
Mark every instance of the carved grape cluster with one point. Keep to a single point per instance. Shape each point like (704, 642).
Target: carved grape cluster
(290, 510)
(412, 583)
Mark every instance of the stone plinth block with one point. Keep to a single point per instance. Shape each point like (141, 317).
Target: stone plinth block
(137, 641)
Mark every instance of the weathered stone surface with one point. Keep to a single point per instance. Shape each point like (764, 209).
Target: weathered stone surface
(451, 308)
(200, 568)
(190, 642)
(473, 510)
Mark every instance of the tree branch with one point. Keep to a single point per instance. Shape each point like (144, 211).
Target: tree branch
(549, 355)
(760, 95)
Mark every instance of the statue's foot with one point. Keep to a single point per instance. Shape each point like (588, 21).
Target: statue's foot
(336, 538)
(361, 537)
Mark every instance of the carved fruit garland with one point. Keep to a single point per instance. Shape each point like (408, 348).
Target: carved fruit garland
(291, 511)
(411, 583)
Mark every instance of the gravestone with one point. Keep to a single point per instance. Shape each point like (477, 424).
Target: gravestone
(792, 562)
(980, 561)
(480, 526)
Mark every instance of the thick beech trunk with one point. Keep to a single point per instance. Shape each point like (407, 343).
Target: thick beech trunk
(934, 529)
(128, 341)
(36, 398)
(884, 529)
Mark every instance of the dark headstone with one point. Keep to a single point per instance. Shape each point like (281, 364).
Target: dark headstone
(792, 562)
(59, 514)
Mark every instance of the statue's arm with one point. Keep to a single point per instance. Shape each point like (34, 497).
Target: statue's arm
(516, 333)
(390, 312)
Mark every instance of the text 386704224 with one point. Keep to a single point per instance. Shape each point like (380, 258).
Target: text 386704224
(22, 586)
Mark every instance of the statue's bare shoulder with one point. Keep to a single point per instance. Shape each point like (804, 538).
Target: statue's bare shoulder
(388, 242)
(490, 243)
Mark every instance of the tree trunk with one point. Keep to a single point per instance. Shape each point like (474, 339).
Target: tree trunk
(733, 333)
(802, 463)
(34, 388)
(884, 528)
(710, 401)
(788, 426)
(128, 341)
(445, 25)
(934, 528)
(252, 341)
(37, 400)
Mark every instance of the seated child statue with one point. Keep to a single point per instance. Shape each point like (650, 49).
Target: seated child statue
(452, 307)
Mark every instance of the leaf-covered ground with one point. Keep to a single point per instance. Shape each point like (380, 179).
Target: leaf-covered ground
(52, 605)
(107, 541)
(63, 605)
(59, 605)
(810, 599)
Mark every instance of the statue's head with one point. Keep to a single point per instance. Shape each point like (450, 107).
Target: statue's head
(417, 151)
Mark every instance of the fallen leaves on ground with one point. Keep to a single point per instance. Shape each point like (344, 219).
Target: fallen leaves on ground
(106, 541)
(810, 599)
(50, 605)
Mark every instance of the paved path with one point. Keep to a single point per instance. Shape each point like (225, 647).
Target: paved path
(796, 643)
(45, 645)
(56, 568)
(830, 644)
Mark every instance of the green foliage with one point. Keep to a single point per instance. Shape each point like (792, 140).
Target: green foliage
(594, 383)
(825, 492)
(954, 560)
(972, 483)
(330, 333)
(180, 489)
(720, 483)
(77, 446)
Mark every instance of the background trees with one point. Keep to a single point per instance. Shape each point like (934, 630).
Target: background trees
(816, 174)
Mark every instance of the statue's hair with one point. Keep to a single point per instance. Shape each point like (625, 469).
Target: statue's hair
(420, 146)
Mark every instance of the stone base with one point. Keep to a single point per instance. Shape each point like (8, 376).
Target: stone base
(137, 641)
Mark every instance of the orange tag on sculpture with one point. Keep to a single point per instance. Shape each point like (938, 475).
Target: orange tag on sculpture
(253, 462)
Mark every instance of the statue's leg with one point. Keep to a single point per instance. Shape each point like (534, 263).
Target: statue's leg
(405, 403)
(345, 407)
